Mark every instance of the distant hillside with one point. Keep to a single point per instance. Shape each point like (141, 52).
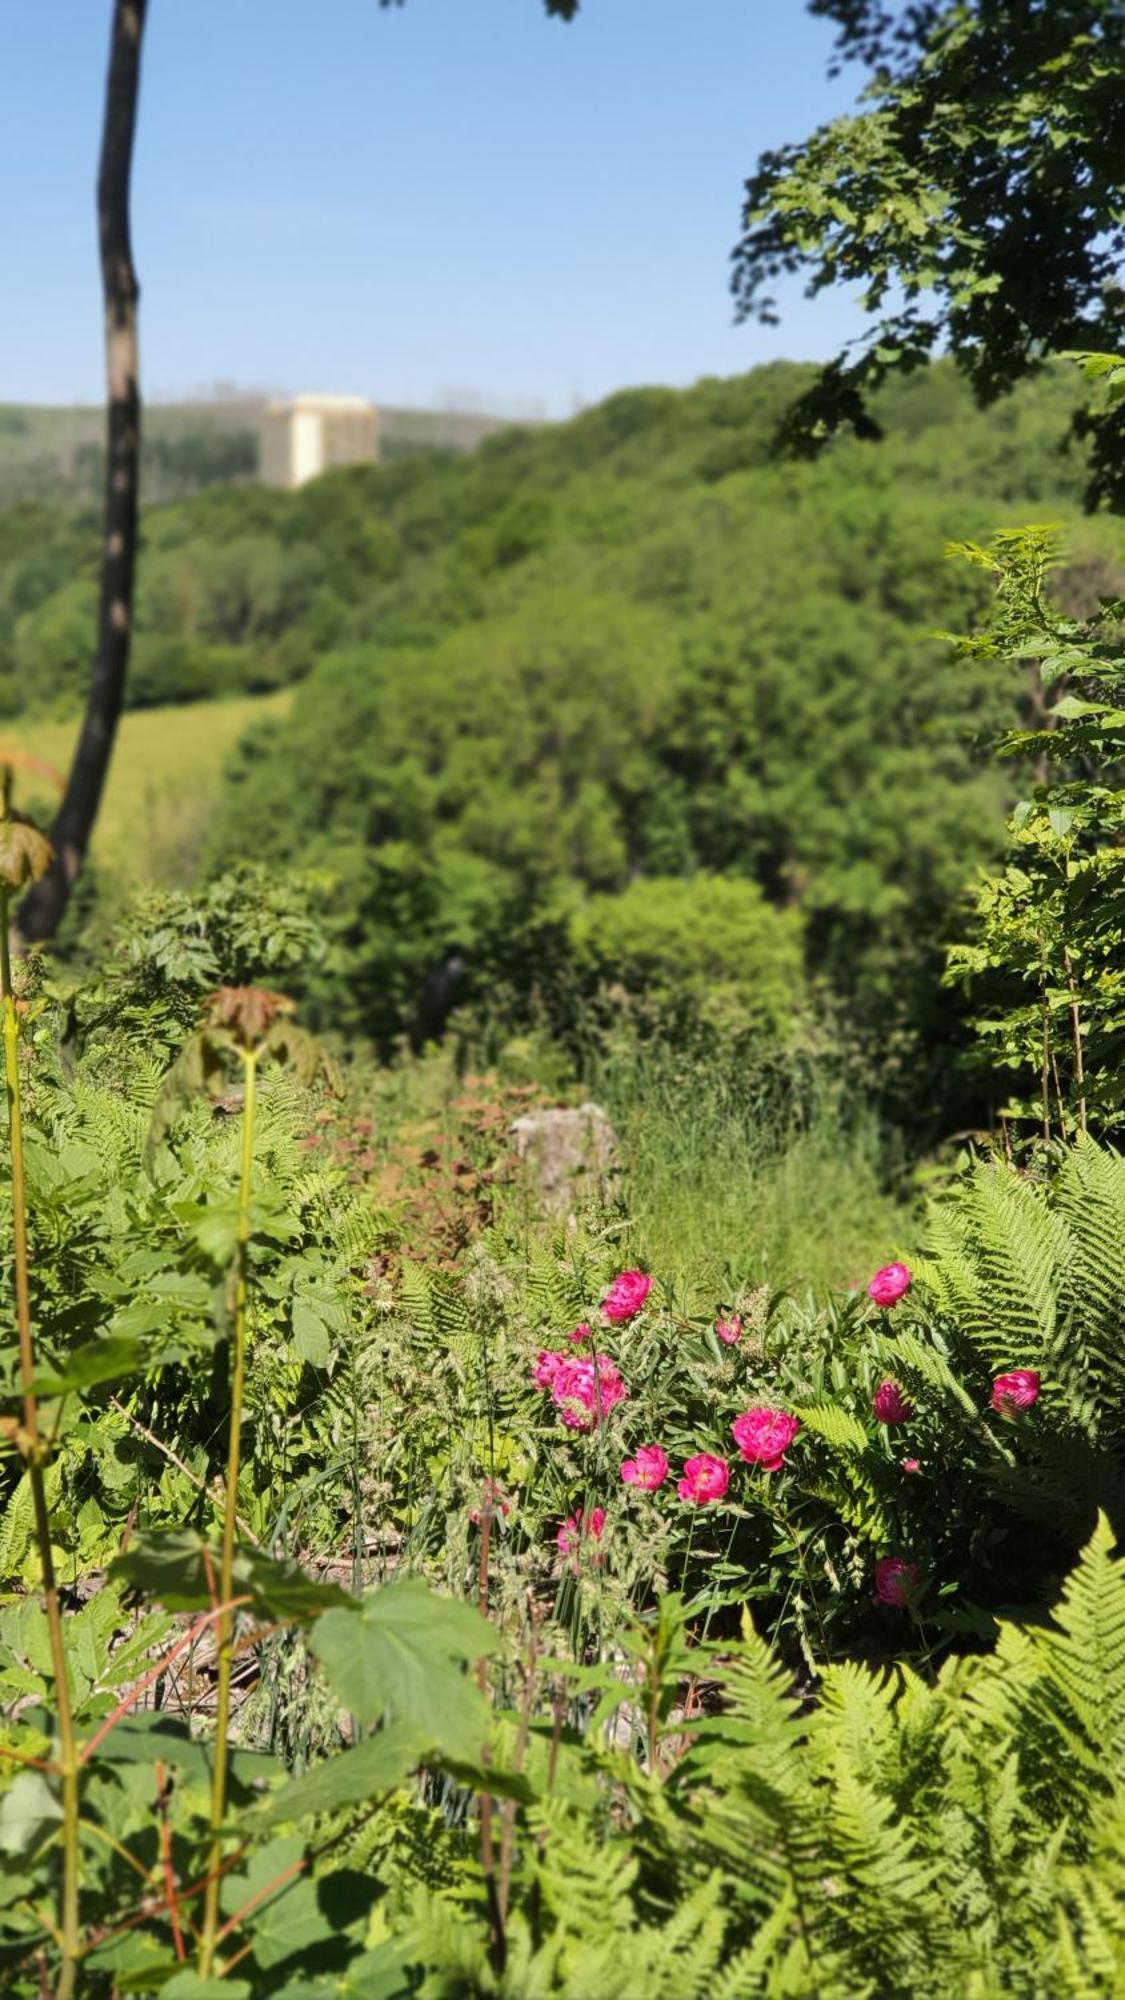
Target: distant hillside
(543, 680)
(55, 453)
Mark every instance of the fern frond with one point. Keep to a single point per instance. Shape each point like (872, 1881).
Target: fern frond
(835, 1425)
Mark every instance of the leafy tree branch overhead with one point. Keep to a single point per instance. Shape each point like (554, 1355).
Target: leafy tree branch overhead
(975, 197)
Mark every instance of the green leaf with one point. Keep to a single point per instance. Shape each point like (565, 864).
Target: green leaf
(374, 1975)
(352, 1776)
(312, 1917)
(188, 1985)
(292, 1922)
(171, 1568)
(141, 1739)
(105, 1360)
(477, 1777)
(29, 1811)
(1072, 706)
(402, 1652)
(311, 1341)
(270, 1872)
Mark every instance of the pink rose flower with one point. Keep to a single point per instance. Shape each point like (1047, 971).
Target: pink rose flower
(626, 1295)
(890, 1405)
(705, 1479)
(574, 1530)
(580, 1333)
(764, 1435)
(546, 1367)
(648, 1470)
(912, 1465)
(897, 1582)
(583, 1390)
(890, 1284)
(1015, 1391)
(729, 1330)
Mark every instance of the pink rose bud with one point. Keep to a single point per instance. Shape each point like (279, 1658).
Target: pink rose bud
(890, 1405)
(580, 1333)
(890, 1284)
(1016, 1391)
(729, 1330)
(705, 1479)
(626, 1295)
(648, 1470)
(896, 1582)
(764, 1435)
(912, 1465)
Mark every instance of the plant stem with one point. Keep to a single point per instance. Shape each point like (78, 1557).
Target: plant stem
(226, 1567)
(34, 1455)
(1076, 1030)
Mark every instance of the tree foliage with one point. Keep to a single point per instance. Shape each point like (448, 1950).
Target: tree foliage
(974, 197)
(631, 646)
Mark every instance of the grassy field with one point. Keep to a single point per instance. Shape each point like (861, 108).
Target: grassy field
(163, 780)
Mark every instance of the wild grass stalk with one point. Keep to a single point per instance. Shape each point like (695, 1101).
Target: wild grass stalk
(728, 1178)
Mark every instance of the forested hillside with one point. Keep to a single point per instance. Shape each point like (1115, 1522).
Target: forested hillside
(547, 687)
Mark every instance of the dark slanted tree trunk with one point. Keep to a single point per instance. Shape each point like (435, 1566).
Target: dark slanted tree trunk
(42, 910)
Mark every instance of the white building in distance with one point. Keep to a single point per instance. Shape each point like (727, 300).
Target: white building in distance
(309, 435)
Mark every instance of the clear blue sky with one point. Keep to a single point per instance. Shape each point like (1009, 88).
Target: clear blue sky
(457, 195)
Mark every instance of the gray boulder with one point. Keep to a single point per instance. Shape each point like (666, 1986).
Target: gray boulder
(568, 1155)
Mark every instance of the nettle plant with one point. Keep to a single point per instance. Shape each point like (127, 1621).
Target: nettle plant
(136, 1857)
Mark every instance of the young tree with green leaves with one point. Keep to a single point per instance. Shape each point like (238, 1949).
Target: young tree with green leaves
(1048, 942)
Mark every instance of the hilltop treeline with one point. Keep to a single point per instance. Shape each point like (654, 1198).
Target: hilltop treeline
(626, 706)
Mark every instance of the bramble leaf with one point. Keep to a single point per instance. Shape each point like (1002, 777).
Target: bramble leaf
(403, 1652)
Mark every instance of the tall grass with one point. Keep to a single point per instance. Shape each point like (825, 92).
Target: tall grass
(730, 1175)
(729, 1179)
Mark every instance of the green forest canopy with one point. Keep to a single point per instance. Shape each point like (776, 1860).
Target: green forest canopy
(633, 648)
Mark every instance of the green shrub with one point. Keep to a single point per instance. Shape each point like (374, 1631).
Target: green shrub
(710, 949)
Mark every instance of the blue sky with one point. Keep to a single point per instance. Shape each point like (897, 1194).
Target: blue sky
(458, 196)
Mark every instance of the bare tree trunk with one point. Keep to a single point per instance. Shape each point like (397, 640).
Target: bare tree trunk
(42, 909)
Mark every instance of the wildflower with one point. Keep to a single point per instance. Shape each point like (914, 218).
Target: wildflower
(890, 1284)
(648, 1470)
(897, 1582)
(626, 1295)
(705, 1478)
(1015, 1391)
(581, 1332)
(912, 1465)
(575, 1530)
(729, 1330)
(764, 1435)
(547, 1365)
(585, 1390)
(890, 1405)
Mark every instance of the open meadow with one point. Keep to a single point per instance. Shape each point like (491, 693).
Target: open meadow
(165, 779)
